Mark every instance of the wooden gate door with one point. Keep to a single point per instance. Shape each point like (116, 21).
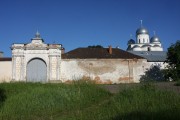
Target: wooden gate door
(36, 71)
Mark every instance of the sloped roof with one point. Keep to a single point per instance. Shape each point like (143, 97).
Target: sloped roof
(99, 53)
(152, 56)
(5, 59)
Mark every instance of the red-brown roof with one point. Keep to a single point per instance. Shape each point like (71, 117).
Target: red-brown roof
(5, 59)
(99, 53)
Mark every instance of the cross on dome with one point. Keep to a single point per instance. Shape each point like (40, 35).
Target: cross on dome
(154, 33)
(37, 35)
(130, 36)
(141, 22)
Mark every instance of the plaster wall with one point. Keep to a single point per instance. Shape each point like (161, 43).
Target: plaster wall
(161, 64)
(5, 71)
(102, 70)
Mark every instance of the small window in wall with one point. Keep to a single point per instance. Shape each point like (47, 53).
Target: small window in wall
(139, 40)
(143, 40)
(148, 48)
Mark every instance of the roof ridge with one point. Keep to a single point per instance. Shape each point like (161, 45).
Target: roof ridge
(99, 53)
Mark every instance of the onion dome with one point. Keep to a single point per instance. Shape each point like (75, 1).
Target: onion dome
(131, 41)
(155, 39)
(38, 37)
(141, 30)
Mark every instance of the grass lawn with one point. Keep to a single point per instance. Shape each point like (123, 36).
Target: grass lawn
(85, 101)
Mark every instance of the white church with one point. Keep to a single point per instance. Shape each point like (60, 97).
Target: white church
(143, 41)
(146, 47)
(41, 62)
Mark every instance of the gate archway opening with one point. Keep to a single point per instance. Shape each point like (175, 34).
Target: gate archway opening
(36, 70)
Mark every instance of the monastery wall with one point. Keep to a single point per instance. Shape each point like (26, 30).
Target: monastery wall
(103, 71)
(5, 71)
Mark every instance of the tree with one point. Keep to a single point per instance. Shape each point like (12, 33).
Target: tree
(154, 73)
(173, 59)
(95, 46)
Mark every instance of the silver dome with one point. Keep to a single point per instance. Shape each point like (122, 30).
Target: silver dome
(141, 30)
(155, 39)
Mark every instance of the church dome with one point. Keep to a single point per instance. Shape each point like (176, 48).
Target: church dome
(155, 39)
(131, 41)
(141, 30)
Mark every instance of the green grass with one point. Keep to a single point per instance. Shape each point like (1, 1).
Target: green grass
(177, 83)
(85, 101)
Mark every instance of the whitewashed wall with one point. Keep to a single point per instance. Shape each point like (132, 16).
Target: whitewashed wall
(5, 71)
(103, 70)
(100, 70)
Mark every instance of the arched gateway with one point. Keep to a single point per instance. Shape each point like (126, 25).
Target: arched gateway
(36, 71)
(36, 61)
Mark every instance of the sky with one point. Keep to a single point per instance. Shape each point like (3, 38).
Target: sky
(80, 23)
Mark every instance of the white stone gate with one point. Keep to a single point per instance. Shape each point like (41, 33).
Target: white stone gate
(36, 61)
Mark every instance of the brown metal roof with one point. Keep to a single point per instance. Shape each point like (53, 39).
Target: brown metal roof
(5, 59)
(99, 53)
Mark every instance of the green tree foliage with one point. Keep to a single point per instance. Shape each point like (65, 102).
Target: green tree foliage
(173, 59)
(95, 46)
(153, 74)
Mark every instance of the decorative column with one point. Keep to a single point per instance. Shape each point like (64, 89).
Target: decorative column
(13, 68)
(54, 62)
(18, 62)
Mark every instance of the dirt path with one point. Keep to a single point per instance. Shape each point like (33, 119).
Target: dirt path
(115, 88)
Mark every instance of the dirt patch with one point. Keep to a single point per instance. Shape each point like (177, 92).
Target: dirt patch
(168, 86)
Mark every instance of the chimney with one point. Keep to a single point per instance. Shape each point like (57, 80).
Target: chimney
(62, 50)
(110, 49)
(1, 54)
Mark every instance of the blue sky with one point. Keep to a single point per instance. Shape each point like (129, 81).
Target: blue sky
(80, 23)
